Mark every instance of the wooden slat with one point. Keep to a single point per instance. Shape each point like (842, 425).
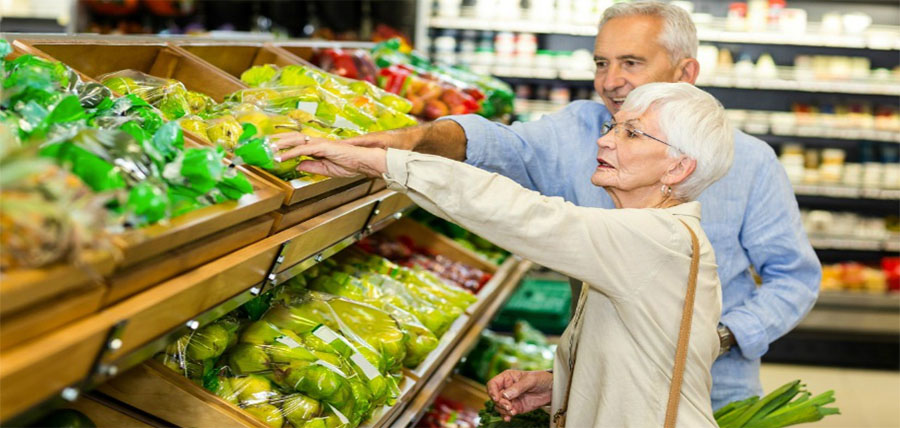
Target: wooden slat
(136, 278)
(24, 287)
(168, 395)
(293, 214)
(38, 320)
(392, 202)
(324, 230)
(174, 302)
(104, 416)
(36, 370)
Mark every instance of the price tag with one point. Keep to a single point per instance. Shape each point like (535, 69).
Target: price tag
(308, 106)
(291, 343)
(368, 369)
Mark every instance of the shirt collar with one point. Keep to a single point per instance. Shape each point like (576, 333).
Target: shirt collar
(691, 209)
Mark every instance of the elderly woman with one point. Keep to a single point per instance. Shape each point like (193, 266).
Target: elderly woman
(640, 346)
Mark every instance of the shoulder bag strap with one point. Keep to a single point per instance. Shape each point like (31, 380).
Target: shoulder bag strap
(684, 333)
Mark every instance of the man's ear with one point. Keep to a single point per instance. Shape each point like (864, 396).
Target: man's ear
(687, 71)
(679, 171)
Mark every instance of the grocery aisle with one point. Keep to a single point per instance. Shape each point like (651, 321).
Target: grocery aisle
(867, 398)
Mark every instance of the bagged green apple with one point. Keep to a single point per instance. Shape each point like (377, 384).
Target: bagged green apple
(168, 95)
(362, 103)
(194, 354)
(421, 341)
(376, 335)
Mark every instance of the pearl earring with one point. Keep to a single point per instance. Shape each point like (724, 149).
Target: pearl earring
(665, 190)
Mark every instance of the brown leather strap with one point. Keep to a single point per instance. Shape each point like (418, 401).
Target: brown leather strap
(684, 334)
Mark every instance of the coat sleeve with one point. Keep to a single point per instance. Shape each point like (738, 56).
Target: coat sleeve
(584, 243)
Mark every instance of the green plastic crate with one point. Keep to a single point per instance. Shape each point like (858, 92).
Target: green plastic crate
(545, 304)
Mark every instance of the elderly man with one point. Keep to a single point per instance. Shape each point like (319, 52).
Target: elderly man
(750, 215)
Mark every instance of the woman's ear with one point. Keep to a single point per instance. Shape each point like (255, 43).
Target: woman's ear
(679, 171)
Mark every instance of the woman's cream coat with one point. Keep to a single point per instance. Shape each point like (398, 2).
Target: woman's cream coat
(634, 263)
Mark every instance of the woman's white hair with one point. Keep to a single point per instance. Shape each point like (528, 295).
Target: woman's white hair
(678, 36)
(692, 121)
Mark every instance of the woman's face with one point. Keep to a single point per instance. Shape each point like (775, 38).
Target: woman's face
(629, 161)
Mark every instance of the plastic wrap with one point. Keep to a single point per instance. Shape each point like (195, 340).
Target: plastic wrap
(363, 103)
(113, 144)
(168, 95)
(438, 90)
(420, 340)
(352, 64)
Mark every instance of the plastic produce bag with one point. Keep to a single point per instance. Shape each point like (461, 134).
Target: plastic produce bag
(364, 104)
(421, 341)
(168, 95)
(374, 332)
(194, 354)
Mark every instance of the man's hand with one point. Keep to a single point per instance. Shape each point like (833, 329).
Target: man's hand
(332, 158)
(515, 392)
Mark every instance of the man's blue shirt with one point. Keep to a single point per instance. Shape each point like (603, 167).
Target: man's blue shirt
(750, 216)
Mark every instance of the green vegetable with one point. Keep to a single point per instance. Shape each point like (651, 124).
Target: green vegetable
(785, 406)
(490, 418)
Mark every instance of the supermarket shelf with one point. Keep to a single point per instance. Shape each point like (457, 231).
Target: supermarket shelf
(855, 321)
(818, 131)
(786, 81)
(877, 37)
(430, 388)
(859, 300)
(846, 192)
(854, 244)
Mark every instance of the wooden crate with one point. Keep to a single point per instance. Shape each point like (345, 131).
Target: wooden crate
(48, 315)
(234, 57)
(96, 57)
(305, 49)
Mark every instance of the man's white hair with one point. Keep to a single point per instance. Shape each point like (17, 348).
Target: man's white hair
(678, 35)
(693, 122)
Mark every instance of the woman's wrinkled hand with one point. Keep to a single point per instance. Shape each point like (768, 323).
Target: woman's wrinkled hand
(332, 158)
(515, 391)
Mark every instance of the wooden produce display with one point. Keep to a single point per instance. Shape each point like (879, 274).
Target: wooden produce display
(305, 201)
(166, 394)
(36, 301)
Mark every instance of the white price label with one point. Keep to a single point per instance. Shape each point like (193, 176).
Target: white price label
(291, 343)
(340, 415)
(368, 369)
(308, 106)
(326, 334)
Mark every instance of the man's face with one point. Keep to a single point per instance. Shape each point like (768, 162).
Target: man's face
(628, 54)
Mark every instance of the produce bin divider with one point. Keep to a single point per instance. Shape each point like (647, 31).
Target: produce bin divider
(430, 388)
(101, 371)
(311, 261)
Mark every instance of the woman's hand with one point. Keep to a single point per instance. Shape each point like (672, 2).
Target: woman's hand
(515, 392)
(333, 158)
